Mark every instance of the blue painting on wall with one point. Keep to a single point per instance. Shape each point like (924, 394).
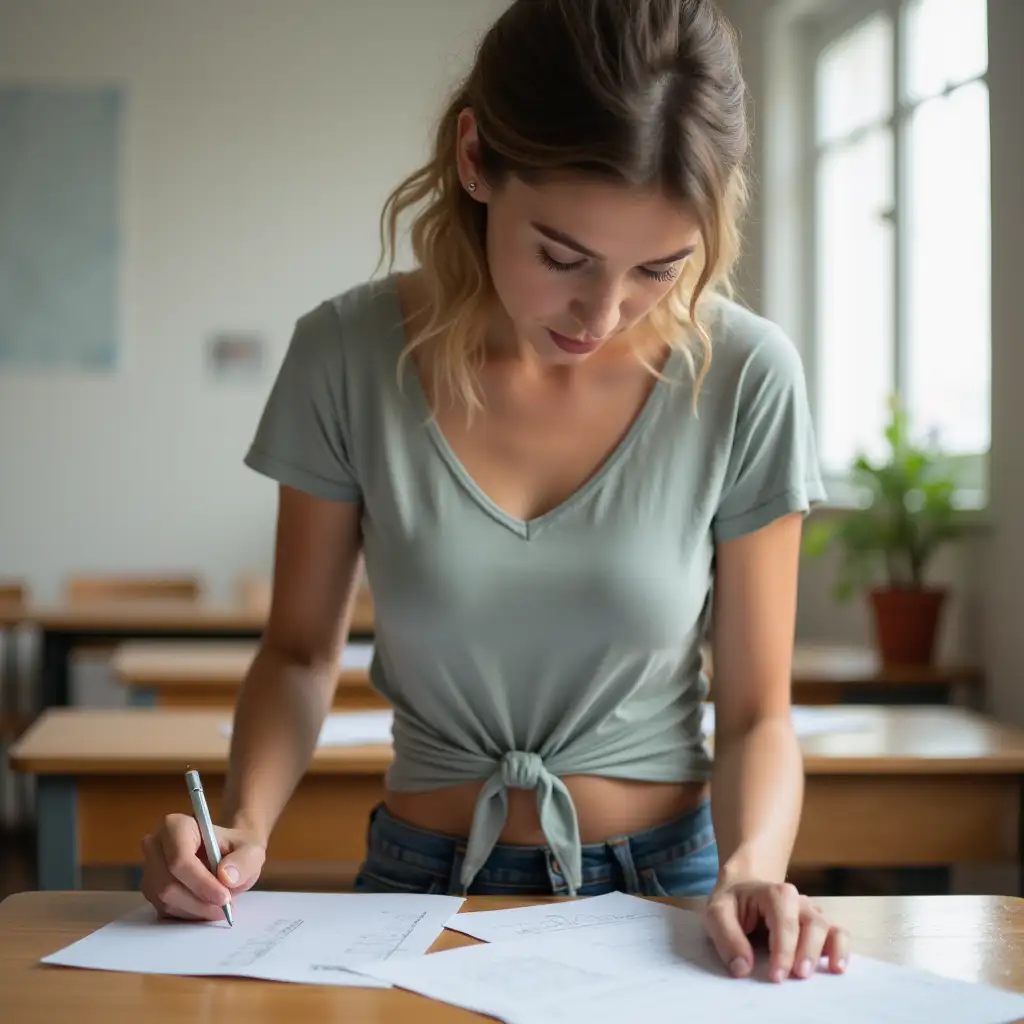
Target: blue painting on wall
(59, 227)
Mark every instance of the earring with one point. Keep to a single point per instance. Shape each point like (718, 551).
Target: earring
(471, 186)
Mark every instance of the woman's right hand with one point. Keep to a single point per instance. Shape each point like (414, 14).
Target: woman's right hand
(177, 878)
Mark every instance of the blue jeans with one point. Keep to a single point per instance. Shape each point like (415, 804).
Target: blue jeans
(679, 858)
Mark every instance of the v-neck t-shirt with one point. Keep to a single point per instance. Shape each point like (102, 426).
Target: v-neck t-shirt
(516, 652)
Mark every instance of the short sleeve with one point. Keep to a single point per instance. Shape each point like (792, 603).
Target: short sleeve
(301, 440)
(772, 468)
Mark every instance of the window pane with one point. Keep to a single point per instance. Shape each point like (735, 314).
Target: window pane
(854, 87)
(854, 298)
(947, 43)
(948, 342)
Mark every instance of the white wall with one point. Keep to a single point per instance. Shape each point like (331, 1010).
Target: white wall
(261, 137)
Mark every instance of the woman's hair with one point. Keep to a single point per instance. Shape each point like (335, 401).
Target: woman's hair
(643, 93)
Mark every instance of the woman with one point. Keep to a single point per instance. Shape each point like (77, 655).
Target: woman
(561, 449)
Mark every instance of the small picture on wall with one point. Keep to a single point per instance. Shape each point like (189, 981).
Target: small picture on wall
(235, 356)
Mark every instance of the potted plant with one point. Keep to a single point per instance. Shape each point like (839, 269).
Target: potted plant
(887, 543)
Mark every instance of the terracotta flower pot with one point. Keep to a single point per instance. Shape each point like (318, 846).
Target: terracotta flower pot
(907, 623)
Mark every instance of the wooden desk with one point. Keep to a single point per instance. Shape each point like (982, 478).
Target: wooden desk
(970, 938)
(65, 627)
(836, 674)
(210, 673)
(920, 786)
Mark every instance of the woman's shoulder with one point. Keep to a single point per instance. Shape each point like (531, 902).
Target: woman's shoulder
(351, 325)
(749, 352)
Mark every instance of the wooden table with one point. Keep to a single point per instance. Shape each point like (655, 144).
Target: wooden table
(210, 673)
(927, 786)
(970, 938)
(65, 627)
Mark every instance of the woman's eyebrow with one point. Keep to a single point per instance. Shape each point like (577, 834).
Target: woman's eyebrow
(570, 243)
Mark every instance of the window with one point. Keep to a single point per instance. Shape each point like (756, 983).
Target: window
(899, 226)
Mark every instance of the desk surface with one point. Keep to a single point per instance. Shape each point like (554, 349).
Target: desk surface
(155, 663)
(972, 938)
(907, 740)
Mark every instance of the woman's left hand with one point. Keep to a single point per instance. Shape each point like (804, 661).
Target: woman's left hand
(798, 933)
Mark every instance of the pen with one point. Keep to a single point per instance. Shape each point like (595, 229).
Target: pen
(202, 813)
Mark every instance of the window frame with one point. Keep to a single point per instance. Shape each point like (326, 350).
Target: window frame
(817, 25)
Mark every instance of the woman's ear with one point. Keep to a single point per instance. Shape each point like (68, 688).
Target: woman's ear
(468, 156)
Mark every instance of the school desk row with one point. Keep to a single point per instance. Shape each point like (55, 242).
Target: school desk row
(209, 673)
(72, 625)
(900, 787)
(824, 674)
(970, 938)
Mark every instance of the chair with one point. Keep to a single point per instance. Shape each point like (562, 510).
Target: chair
(13, 720)
(113, 587)
(253, 591)
(123, 588)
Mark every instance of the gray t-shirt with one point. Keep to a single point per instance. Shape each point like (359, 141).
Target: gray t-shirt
(515, 651)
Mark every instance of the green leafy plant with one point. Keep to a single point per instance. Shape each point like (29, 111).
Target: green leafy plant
(907, 515)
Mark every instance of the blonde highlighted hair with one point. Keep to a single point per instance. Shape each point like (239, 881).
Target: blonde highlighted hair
(639, 92)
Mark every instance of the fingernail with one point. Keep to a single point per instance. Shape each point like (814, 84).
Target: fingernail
(738, 966)
(804, 970)
(778, 974)
(841, 965)
(231, 874)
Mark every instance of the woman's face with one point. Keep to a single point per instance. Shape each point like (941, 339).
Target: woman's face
(576, 262)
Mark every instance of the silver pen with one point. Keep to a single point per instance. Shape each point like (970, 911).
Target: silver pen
(202, 813)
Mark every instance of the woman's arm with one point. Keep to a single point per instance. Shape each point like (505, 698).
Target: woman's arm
(757, 787)
(290, 685)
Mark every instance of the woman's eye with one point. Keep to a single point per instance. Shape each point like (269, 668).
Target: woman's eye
(664, 275)
(557, 265)
(668, 274)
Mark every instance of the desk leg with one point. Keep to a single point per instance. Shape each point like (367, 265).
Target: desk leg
(9, 708)
(57, 833)
(55, 670)
(9, 681)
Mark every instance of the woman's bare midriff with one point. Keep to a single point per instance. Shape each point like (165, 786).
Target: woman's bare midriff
(604, 807)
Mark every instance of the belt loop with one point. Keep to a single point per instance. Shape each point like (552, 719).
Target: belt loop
(622, 851)
(556, 876)
(455, 886)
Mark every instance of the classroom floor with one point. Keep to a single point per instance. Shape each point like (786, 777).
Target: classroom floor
(17, 868)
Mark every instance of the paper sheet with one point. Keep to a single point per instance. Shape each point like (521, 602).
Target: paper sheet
(356, 728)
(646, 967)
(357, 655)
(361, 728)
(279, 936)
(613, 908)
(808, 720)
(349, 728)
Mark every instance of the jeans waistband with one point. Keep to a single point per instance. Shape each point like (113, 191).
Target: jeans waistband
(644, 843)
